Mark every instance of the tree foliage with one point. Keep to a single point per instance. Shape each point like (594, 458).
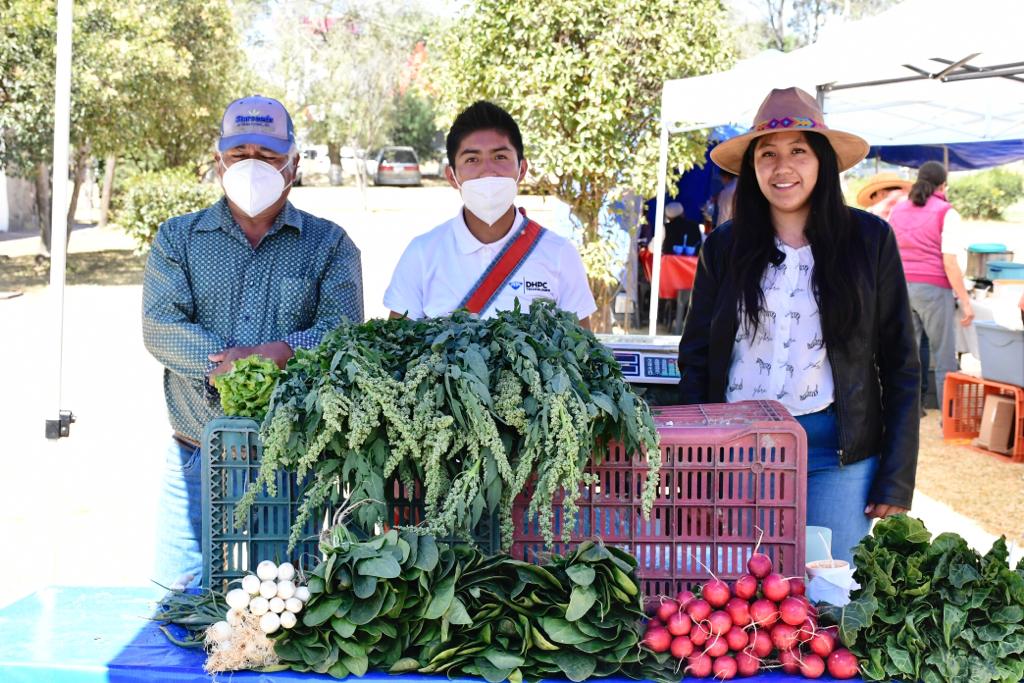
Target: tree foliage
(343, 63)
(790, 24)
(584, 78)
(145, 84)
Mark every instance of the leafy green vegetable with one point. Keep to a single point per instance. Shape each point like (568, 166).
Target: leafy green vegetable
(246, 388)
(470, 412)
(934, 610)
(455, 611)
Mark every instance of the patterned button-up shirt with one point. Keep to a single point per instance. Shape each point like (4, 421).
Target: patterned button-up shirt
(207, 288)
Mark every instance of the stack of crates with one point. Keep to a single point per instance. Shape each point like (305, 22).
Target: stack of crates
(732, 474)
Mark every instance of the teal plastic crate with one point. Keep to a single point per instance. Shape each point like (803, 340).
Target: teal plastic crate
(231, 461)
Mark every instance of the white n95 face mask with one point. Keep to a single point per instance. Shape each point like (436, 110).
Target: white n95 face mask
(489, 198)
(253, 185)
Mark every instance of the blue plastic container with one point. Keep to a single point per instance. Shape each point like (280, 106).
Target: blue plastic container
(987, 248)
(1005, 270)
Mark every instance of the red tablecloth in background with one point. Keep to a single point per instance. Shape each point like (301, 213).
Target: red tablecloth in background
(676, 272)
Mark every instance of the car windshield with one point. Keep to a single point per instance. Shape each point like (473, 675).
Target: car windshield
(399, 156)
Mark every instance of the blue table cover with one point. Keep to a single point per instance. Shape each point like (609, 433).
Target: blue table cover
(89, 635)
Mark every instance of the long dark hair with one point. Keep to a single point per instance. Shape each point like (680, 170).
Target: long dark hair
(930, 177)
(830, 230)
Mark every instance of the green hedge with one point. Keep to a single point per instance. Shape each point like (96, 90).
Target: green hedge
(986, 195)
(148, 199)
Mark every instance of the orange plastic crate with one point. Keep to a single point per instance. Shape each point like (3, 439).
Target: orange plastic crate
(729, 470)
(964, 399)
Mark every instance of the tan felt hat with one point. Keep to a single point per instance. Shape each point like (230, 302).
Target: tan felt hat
(785, 110)
(881, 181)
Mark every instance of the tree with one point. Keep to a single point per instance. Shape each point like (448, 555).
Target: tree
(806, 18)
(584, 78)
(146, 86)
(343, 63)
(415, 123)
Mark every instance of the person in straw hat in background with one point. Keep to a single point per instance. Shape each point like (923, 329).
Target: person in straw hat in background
(882, 192)
(801, 299)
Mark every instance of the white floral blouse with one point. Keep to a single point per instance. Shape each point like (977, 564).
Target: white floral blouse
(786, 361)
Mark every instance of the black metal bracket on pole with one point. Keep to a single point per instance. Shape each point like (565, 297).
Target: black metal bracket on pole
(61, 427)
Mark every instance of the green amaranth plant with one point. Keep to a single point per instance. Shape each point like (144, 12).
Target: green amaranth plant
(471, 409)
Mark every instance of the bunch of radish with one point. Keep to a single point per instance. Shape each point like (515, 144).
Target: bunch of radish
(271, 594)
(763, 620)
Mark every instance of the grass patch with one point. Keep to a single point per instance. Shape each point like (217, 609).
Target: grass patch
(111, 267)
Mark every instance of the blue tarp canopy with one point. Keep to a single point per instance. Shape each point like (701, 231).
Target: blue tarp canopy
(963, 156)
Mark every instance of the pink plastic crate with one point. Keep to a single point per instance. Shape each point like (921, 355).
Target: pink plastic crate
(728, 470)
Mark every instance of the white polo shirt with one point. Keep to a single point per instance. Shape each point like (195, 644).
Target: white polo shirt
(440, 267)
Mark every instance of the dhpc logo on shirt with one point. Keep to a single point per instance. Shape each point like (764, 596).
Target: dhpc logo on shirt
(515, 284)
(530, 285)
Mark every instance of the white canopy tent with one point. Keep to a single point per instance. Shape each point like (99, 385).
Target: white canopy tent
(924, 72)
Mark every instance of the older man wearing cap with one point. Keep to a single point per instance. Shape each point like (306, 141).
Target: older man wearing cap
(251, 274)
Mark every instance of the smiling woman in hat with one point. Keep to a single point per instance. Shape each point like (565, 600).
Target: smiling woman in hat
(800, 299)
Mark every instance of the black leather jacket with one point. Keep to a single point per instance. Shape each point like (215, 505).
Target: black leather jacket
(877, 374)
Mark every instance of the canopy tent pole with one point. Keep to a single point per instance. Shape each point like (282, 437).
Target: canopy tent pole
(945, 157)
(658, 235)
(60, 427)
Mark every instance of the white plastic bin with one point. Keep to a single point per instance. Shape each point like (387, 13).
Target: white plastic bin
(1002, 353)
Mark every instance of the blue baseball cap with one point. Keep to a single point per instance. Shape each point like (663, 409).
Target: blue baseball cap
(259, 121)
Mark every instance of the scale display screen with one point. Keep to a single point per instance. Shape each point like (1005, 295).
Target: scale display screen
(645, 360)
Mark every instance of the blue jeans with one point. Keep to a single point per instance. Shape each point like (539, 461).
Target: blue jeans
(836, 494)
(180, 518)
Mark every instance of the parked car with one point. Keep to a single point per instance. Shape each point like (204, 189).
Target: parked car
(314, 161)
(397, 166)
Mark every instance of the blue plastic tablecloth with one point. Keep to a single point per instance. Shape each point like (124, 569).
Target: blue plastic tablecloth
(88, 635)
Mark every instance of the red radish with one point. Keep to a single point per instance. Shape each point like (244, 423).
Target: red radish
(657, 640)
(775, 587)
(760, 644)
(842, 664)
(737, 638)
(823, 643)
(739, 611)
(797, 586)
(667, 609)
(654, 624)
(792, 611)
(747, 664)
(717, 646)
(724, 668)
(681, 647)
(763, 612)
(790, 661)
(745, 587)
(699, 634)
(807, 630)
(685, 598)
(699, 610)
(699, 665)
(651, 608)
(679, 624)
(784, 636)
(812, 666)
(720, 623)
(760, 565)
(716, 592)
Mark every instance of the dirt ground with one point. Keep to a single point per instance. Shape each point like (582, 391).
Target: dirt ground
(984, 486)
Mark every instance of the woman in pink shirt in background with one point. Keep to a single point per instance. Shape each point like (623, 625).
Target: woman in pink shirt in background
(925, 226)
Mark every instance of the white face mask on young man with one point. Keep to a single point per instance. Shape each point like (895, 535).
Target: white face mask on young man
(253, 185)
(488, 198)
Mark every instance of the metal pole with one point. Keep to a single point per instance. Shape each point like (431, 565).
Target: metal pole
(55, 429)
(659, 230)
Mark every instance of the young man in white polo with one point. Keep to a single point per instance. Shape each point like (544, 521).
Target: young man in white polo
(490, 254)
